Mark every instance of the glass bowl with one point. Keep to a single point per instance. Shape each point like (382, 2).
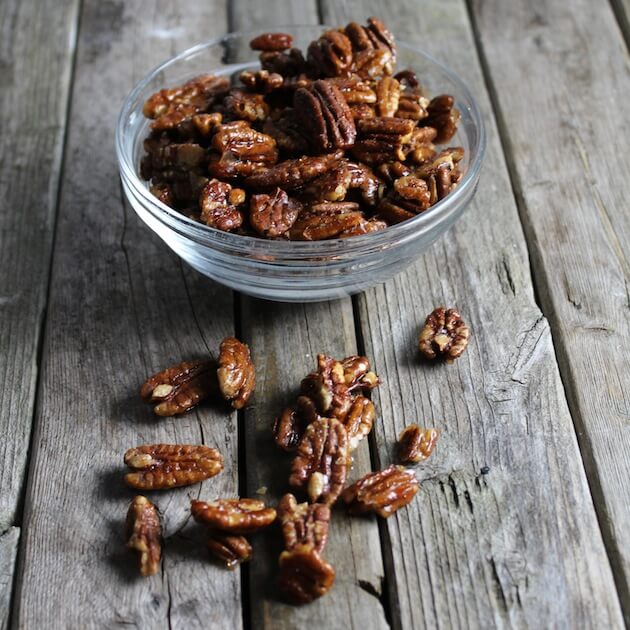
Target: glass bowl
(288, 270)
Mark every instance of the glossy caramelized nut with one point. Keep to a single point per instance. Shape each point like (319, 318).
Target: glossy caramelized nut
(444, 335)
(236, 516)
(231, 549)
(304, 575)
(416, 444)
(236, 374)
(303, 525)
(144, 534)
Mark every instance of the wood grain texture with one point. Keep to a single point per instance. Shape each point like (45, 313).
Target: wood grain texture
(8, 551)
(622, 12)
(285, 340)
(33, 101)
(520, 546)
(574, 207)
(122, 308)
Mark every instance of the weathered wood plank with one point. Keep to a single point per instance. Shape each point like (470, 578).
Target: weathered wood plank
(575, 212)
(33, 102)
(285, 340)
(121, 307)
(519, 546)
(622, 12)
(8, 551)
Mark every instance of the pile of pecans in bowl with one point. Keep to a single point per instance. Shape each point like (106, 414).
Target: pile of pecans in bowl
(330, 145)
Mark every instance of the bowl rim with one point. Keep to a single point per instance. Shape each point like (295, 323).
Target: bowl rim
(200, 232)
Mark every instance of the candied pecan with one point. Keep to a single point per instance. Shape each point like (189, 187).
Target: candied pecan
(330, 55)
(416, 444)
(290, 425)
(236, 374)
(444, 334)
(317, 224)
(359, 420)
(205, 124)
(327, 387)
(144, 534)
(325, 115)
(184, 157)
(171, 465)
(373, 47)
(355, 90)
(321, 461)
(387, 96)
(170, 107)
(216, 209)
(391, 171)
(381, 139)
(410, 196)
(365, 226)
(303, 525)
(287, 64)
(262, 80)
(443, 116)
(233, 550)
(362, 178)
(421, 147)
(242, 105)
(382, 492)
(304, 575)
(236, 516)
(407, 78)
(272, 215)
(331, 186)
(357, 373)
(441, 173)
(179, 388)
(292, 174)
(272, 42)
(164, 193)
(243, 150)
(284, 128)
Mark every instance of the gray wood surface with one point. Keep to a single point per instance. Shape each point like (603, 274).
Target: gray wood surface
(519, 546)
(33, 102)
(285, 340)
(622, 12)
(573, 193)
(8, 551)
(121, 308)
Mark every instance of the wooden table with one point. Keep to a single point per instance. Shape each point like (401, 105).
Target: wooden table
(91, 302)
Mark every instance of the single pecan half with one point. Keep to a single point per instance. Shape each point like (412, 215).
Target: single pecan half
(382, 492)
(327, 387)
(444, 334)
(161, 466)
(217, 210)
(382, 139)
(330, 55)
(357, 373)
(409, 196)
(292, 174)
(387, 96)
(359, 420)
(443, 116)
(231, 549)
(416, 444)
(179, 388)
(144, 534)
(237, 377)
(441, 173)
(242, 105)
(325, 115)
(290, 425)
(366, 226)
(261, 81)
(303, 525)
(272, 215)
(304, 575)
(272, 42)
(327, 219)
(236, 516)
(321, 462)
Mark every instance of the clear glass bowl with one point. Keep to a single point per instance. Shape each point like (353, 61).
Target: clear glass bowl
(288, 270)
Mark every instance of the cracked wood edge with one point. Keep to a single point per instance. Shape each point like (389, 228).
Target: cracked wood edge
(573, 198)
(121, 308)
(8, 551)
(285, 340)
(622, 13)
(33, 103)
(521, 545)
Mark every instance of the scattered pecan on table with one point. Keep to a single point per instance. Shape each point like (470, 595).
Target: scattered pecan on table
(311, 146)
(304, 575)
(231, 549)
(303, 524)
(144, 534)
(381, 492)
(236, 516)
(444, 335)
(236, 374)
(161, 466)
(416, 444)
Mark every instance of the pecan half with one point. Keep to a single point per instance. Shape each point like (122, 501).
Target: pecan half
(357, 373)
(304, 575)
(325, 115)
(303, 525)
(387, 96)
(290, 425)
(444, 334)
(410, 196)
(441, 173)
(261, 81)
(179, 388)
(382, 492)
(292, 174)
(288, 64)
(272, 42)
(374, 48)
(236, 516)
(381, 139)
(328, 219)
(217, 211)
(321, 461)
(359, 420)
(366, 226)
(284, 128)
(443, 116)
(236, 374)
(416, 444)
(330, 55)
(233, 550)
(272, 215)
(241, 105)
(327, 387)
(161, 466)
(144, 534)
